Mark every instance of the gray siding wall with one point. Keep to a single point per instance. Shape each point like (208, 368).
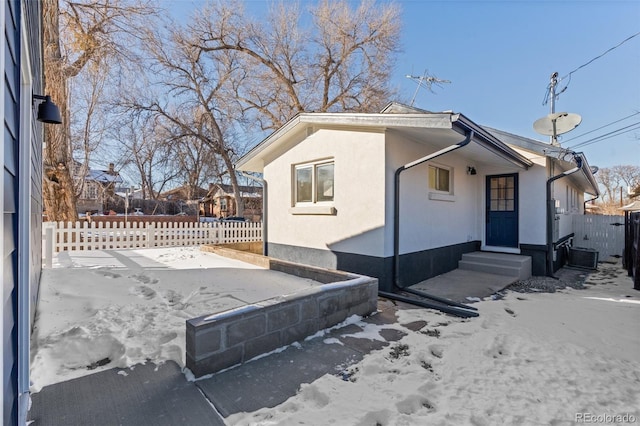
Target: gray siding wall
(33, 22)
(11, 89)
(14, 209)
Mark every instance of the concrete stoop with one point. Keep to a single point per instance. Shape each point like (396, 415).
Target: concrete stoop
(510, 265)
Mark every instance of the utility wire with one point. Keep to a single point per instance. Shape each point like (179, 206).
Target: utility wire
(546, 96)
(611, 134)
(602, 54)
(601, 127)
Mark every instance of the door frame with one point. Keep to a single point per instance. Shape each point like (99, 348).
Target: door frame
(487, 190)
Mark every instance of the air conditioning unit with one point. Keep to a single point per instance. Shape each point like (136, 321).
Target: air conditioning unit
(583, 257)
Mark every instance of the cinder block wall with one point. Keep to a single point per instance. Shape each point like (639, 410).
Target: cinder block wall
(222, 340)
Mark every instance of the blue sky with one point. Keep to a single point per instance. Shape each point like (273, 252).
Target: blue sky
(499, 56)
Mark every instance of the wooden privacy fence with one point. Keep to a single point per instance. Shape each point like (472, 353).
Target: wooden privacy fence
(61, 236)
(602, 233)
(632, 247)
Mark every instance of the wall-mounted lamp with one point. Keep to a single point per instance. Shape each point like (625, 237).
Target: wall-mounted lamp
(471, 170)
(48, 112)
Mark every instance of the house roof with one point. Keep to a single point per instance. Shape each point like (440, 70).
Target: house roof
(103, 176)
(223, 189)
(633, 207)
(443, 128)
(182, 190)
(563, 158)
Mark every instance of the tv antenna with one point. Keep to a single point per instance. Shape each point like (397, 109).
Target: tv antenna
(555, 124)
(427, 81)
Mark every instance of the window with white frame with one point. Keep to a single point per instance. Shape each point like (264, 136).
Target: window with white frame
(440, 179)
(91, 191)
(313, 183)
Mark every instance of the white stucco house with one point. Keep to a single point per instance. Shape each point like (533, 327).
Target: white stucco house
(402, 194)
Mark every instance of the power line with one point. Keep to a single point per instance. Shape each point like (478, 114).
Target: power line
(612, 136)
(609, 135)
(601, 127)
(602, 54)
(546, 97)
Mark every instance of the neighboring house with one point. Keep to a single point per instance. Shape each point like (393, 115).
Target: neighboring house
(220, 202)
(186, 199)
(184, 193)
(99, 189)
(21, 183)
(332, 177)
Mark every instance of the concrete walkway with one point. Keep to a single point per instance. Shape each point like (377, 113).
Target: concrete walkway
(160, 395)
(464, 286)
(144, 395)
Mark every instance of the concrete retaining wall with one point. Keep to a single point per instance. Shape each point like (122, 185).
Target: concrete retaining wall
(254, 247)
(225, 339)
(315, 273)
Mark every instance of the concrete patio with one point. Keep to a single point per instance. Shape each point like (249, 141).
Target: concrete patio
(158, 392)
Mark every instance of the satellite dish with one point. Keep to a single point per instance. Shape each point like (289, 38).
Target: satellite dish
(564, 122)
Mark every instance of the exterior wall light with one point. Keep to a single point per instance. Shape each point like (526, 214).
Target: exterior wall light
(471, 170)
(48, 112)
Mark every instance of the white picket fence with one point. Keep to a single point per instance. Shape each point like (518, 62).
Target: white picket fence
(61, 236)
(602, 233)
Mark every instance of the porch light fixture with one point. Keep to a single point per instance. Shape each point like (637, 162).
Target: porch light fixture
(471, 170)
(48, 112)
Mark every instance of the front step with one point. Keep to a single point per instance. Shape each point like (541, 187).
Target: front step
(510, 265)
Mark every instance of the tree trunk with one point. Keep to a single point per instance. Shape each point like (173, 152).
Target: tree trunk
(58, 194)
(234, 184)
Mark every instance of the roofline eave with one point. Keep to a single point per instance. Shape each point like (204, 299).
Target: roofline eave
(362, 120)
(495, 145)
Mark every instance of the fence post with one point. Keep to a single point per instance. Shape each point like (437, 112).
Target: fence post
(49, 246)
(150, 235)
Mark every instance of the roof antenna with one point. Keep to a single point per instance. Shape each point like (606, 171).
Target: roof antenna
(555, 123)
(427, 81)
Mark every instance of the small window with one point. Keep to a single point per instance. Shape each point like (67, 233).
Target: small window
(92, 192)
(503, 193)
(440, 179)
(324, 179)
(314, 183)
(304, 184)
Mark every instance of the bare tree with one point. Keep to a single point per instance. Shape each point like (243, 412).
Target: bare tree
(224, 66)
(194, 161)
(609, 182)
(342, 62)
(628, 175)
(147, 153)
(614, 183)
(197, 104)
(88, 121)
(90, 31)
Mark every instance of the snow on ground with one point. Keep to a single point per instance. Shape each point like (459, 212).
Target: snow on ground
(117, 308)
(529, 359)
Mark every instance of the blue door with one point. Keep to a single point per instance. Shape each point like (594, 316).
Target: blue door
(502, 210)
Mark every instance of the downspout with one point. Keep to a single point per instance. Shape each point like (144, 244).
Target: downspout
(396, 203)
(584, 204)
(265, 248)
(551, 212)
(439, 303)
